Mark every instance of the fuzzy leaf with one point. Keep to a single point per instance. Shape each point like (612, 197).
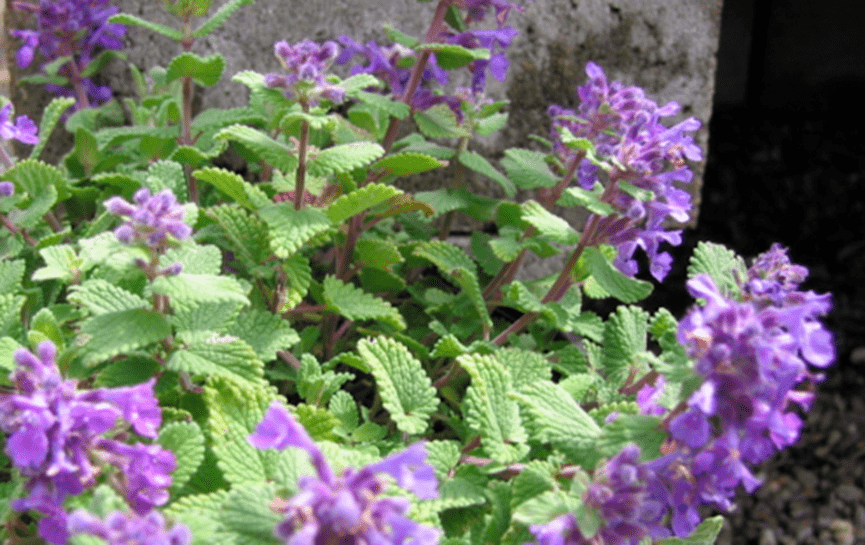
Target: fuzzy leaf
(186, 441)
(219, 17)
(10, 314)
(277, 154)
(35, 177)
(202, 513)
(195, 258)
(344, 408)
(623, 288)
(528, 169)
(128, 19)
(524, 366)
(214, 118)
(379, 254)
(720, 263)
(452, 56)
(127, 372)
(478, 163)
(407, 163)
(167, 175)
(359, 200)
(235, 187)
(554, 417)
(99, 296)
(624, 341)
(198, 316)
(200, 288)
(107, 335)
(642, 429)
(534, 480)
(299, 275)
(290, 229)
(489, 409)
(205, 71)
(439, 122)
(590, 200)
(11, 275)
(355, 304)
(405, 389)
(319, 422)
(705, 534)
(246, 514)
(248, 234)
(344, 158)
(548, 224)
(50, 117)
(214, 354)
(264, 332)
(393, 108)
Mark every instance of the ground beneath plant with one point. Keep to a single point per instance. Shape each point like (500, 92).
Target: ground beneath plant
(796, 177)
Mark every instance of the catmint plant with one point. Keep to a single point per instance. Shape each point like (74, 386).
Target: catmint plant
(296, 350)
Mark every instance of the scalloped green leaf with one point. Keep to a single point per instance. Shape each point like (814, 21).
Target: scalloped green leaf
(10, 314)
(203, 316)
(721, 263)
(211, 354)
(705, 534)
(202, 514)
(195, 258)
(456, 493)
(99, 296)
(623, 288)
(408, 163)
(552, 416)
(379, 254)
(299, 275)
(218, 118)
(50, 117)
(440, 122)
(405, 389)
(264, 332)
(478, 163)
(624, 341)
(355, 304)
(234, 186)
(391, 107)
(344, 158)
(247, 234)
(200, 288)
(129, 19)
(34, 177)
(290, 229)
(186, 441)
(524, 366)
(167, 175)
(107, 335)
(590, 200)
(11, 275)
(359, 200)
(247, 515)
(31, 214)
(61, 263)
(219, 17)
(452, 56)
(205, 71)
(277, 154)
(528, 169)
(489, 409)
(127, 372)
(548, 224)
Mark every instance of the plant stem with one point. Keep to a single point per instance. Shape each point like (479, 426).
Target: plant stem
(18, 231)
(5, 158)
(459, 181)
(300, 176)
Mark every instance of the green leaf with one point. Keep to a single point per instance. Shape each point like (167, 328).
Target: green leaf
(167, 175)
(11, 275)
(445, 200)
(39, 204)
(439, 122)
(99, 296)
(198, 316)
(299, 275)
(405, 389)
(186, 441)
(343, 158)
(195, 258)
(44, 327)
(50, 116)
(344, 408)
(217, 118)
(537, 477)
(35, 177)
(590, 200)
(705, 534)
(277, 154)
(358, 82)
(624, 341)
(623, 288)
(247, 516)
(478, 163)
(234, 186)
(355, 304)
(319, 422)
(235, 410)
(452, 56)
(490, 410)
(290, 229)
(200, 288)
(644, 430)
(264, 332)
(443, 456)
(359, 200)
(202, 513)
(408, 163)
(248, 234)
(722, 264)
(548, 224)
(524, 366)
(100, 62)
(391, 107)
(528, 169)
(456, 493)
(212, 354)
(127, 372)
(10, 314)
(380, 254)
(128, 19)
(219, 17)
(61, 263)
(107, 335)
(552, 416)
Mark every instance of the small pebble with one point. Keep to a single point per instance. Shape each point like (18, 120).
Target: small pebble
(842, 532)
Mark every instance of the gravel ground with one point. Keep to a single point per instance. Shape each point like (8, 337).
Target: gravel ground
(797, 178)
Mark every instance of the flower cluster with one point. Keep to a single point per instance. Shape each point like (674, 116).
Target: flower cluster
(625, 127)
(24, 129)
(75, 28)
(55, 439)
(129, 529)
(347, 508)
(307, 63)
(151, 218)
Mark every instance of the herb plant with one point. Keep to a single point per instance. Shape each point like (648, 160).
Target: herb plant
(301, 352)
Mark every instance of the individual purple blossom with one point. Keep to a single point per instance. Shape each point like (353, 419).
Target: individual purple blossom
(346, 508)
(306, 64)
(54, 438)
(76, 28)
(647, 397)
(24, 129)
(497, 41)
(7, 189)
(477, 9)
(121, 528)
(625, 127)
(151, 218)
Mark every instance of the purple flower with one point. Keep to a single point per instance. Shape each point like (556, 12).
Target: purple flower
(7, 189)
(307, 63)
(54, 438)
(129, 529)
(626, 128)
(151, 218)
(477, 9)
(346, 508)
(24, 130)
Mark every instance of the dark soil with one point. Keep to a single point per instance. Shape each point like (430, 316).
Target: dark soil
(796, 177)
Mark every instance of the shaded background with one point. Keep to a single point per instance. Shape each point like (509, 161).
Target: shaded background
(785, 164)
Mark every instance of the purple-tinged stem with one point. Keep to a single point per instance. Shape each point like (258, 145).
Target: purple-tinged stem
(17, 231)
(300, 176)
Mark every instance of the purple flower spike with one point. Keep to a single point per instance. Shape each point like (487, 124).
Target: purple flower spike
(347, 509)
(129, 529)
(7, 189)
(307, 63)
(24, 130)
(54, 439)
(151, 218)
